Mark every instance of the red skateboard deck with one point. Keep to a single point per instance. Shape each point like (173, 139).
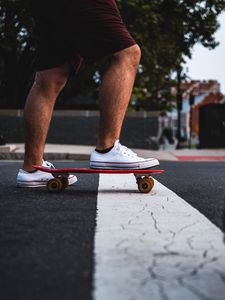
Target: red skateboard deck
(143, 176)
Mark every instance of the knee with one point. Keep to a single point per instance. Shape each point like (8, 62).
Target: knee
(130, 56)
(50, 84)
(135, 55)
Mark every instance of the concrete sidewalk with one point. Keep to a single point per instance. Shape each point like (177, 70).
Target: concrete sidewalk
(81, 152)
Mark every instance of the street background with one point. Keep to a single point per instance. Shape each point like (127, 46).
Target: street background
(100, 238)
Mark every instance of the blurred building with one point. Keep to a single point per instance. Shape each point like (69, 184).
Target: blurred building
(196, 93)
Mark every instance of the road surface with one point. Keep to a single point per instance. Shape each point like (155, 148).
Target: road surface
(101, 238)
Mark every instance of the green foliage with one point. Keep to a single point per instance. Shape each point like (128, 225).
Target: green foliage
(166, 30)
(16, 51)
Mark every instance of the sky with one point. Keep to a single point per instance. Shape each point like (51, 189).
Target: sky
(209, 64)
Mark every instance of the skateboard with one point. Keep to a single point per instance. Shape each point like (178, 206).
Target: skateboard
(143, 177)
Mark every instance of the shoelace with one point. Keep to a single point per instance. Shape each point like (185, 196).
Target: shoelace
(125, 150)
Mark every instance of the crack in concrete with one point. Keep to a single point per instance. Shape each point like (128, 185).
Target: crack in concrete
(155, 223)
(202, 265)
(173, 233)
(205, 254)
(186, 227)
(169, 253)
(162, 292)
(193, 290)
(189, 242)
(143, 208)
(152, 273)
(166, 247)
(121, 242)
(123, 227)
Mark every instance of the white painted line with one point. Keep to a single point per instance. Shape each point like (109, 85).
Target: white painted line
(154, 246)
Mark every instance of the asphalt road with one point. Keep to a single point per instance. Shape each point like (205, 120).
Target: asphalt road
(47, 240)
(202, 184)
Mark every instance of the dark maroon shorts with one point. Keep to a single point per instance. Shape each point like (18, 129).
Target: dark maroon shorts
(73, 30)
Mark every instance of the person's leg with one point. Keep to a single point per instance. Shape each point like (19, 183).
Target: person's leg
(115, 92)
(38, 112)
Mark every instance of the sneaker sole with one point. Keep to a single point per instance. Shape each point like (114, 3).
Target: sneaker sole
(134, 165)
(33, 184)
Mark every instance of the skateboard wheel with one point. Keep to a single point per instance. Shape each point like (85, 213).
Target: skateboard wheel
(55, 185)
(145, 184)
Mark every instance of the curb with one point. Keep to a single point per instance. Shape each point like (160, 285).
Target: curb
(47, 156)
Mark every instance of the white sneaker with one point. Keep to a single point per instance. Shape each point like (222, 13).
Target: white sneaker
(120, 157)
(38, 178)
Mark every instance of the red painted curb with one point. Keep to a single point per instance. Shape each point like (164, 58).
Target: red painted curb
(201, 158)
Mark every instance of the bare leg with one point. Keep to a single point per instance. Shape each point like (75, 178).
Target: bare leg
(115, 92)
(38, 112)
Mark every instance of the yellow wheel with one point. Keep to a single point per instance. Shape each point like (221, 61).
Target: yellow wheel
(145, 184)
(55, 185)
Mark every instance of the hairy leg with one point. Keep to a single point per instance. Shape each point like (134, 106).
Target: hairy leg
(38, 112)
(115, 93)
